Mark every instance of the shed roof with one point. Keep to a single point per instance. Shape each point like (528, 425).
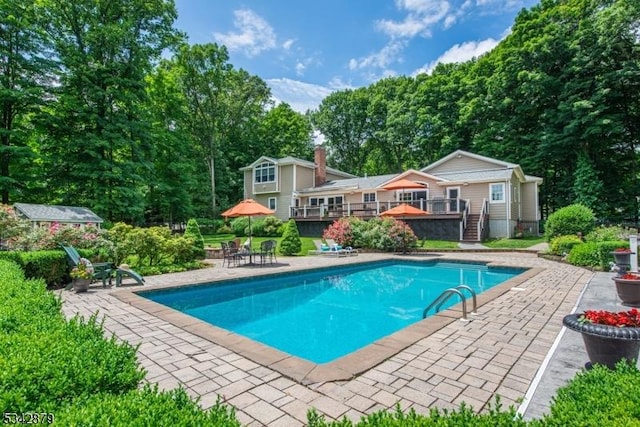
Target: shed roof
(53, 213)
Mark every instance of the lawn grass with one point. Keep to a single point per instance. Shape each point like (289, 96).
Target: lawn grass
(214, 241)
(437, 244)
(523, 243)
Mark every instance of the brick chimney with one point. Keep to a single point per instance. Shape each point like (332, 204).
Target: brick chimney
(320, 158)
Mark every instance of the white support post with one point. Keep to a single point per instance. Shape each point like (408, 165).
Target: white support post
(633, 245)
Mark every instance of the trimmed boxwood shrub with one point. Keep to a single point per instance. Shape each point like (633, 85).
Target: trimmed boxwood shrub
(598, 397)
(584, 254)
(47, 361)
(464, 416)
(572, 219)
(146, 407)
(562, 245)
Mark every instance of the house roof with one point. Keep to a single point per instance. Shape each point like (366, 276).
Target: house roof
(53, 213)
(468, 154)
(289, 160)
(371, 182)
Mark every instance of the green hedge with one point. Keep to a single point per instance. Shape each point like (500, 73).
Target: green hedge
(146, 407)
(598, 397)
(47, 361)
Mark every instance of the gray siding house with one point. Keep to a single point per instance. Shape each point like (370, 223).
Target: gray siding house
(468, 197)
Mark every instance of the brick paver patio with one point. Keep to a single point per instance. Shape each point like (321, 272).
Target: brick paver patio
(497, 353)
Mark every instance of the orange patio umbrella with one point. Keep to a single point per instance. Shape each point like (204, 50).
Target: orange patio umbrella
(403, 184)
(249, 208)
(404, 210)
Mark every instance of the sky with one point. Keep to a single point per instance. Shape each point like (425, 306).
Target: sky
(306, 49)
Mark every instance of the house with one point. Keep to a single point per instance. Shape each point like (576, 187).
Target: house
(469, 197)
(45, 215)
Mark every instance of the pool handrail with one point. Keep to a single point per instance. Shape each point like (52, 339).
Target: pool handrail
(446, 294)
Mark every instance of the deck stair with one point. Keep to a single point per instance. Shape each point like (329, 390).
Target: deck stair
(470, 233)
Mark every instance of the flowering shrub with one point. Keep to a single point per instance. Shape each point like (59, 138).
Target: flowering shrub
(621, 319)
(385, 234)
(340, 231)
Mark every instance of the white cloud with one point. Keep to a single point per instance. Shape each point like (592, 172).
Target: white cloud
(336, 83)
(382, 59)
(300, 67)
(254, 34)
(287, 44)
(299, 95)
(422, 15)
(460, 53)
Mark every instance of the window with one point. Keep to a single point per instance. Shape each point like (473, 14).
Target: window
(369, 197)
(265, 172)
(334, 202)
(496, 193)
(272, 203)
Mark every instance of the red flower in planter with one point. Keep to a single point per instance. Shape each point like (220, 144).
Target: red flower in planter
(630, 276)
(622, 250)
(621, 319)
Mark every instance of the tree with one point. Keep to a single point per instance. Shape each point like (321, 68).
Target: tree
(285, 132)
(24, 70)
(343, 119)
(290, 243)
(97, 136)
(223, 106)
(193, 233)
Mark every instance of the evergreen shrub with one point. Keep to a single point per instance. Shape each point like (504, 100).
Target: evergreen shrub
(598, 397)
(562, 245)
(585, 255)
(193, 233)
(572, 219)
(290, 243)
(146, 407)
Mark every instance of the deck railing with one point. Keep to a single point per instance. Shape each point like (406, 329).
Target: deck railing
(373, 209)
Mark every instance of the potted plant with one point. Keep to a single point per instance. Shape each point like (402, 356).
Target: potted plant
(628, 288)
(608, 336)
(82, 275)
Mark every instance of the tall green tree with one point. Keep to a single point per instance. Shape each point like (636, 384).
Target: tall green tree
(343, 119)
(173, 182)
(224, 108)
(285, 132)
(98, 135)
(24, 69)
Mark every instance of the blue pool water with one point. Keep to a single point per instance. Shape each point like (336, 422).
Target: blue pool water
(323, 315)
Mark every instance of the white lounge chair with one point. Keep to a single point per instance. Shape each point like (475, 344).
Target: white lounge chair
(322, 249)
(336, 247)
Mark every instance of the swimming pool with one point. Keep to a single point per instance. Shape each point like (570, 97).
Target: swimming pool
(322, 315)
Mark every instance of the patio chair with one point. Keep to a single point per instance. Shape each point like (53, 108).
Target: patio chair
(336, 247)
(268, 251)
(230, 254)
(101, 270)
(124, 271)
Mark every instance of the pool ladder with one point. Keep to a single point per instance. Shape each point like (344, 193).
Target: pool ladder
(444, 296)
